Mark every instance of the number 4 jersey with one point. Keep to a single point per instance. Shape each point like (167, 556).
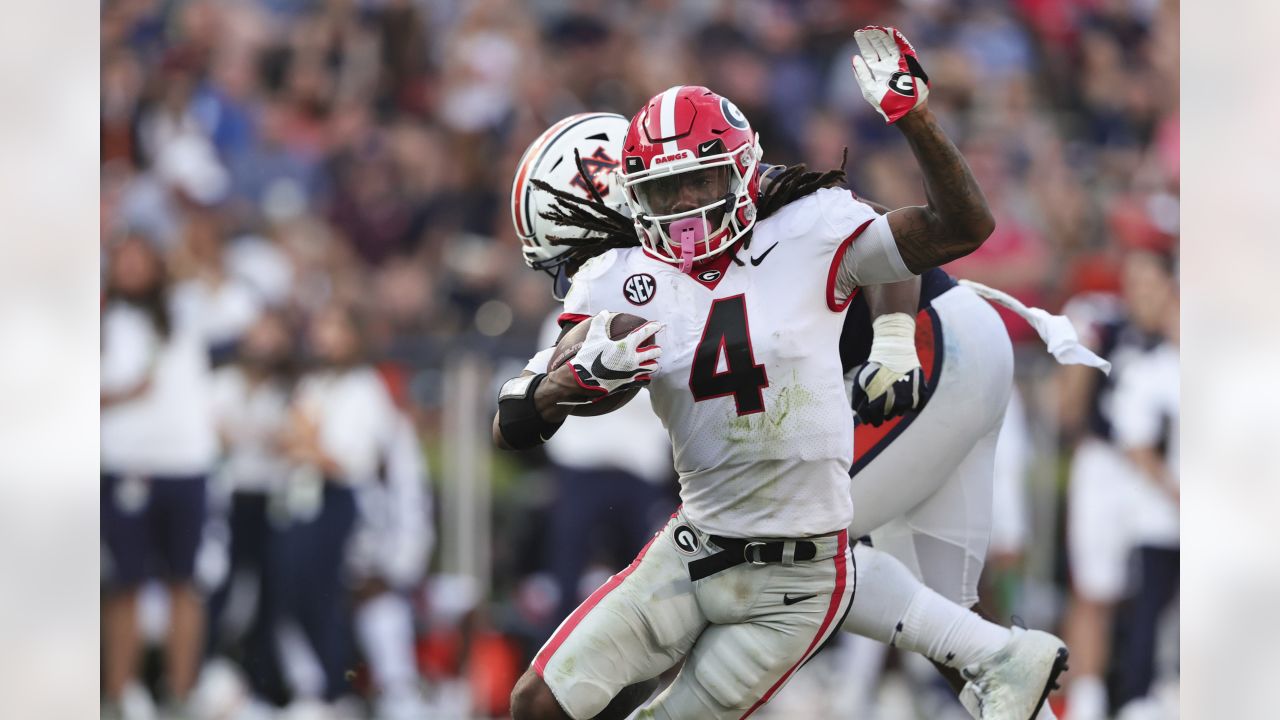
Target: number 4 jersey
(750, 384)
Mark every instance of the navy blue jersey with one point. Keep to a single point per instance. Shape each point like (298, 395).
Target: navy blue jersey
(855, 338)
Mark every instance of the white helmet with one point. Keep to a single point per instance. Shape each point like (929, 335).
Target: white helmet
(597, 137)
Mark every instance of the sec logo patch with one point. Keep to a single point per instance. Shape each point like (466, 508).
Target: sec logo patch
(686, 539)
(639, 288)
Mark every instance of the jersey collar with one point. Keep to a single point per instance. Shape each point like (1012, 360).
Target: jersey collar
(707, 273)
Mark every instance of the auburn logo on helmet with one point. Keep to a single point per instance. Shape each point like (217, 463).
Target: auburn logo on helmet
(596, 165)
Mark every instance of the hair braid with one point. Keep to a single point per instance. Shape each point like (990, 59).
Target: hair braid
(608, 229)
(796, 182)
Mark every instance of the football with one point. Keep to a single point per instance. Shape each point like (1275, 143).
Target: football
(619, 326)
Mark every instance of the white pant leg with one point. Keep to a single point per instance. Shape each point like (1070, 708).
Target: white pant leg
(632, 628)
(1099, 520)
(773, 618)
(944, 540)
(384, 627)
(929, 488)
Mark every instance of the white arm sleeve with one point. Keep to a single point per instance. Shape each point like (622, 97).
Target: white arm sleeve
(872, 259)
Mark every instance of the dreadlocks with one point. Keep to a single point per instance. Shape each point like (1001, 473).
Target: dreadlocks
(794, 183)
(608, 229)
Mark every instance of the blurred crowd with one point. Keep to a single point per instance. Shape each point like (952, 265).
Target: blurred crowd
(307, 252)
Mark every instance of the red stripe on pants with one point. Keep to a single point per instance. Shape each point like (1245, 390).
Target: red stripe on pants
(566, 628)
(837, 599)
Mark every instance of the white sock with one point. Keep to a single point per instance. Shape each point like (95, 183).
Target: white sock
(384, 626)
(943, 631)
(894, 607)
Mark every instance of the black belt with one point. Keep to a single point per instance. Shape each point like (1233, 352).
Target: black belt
(736, 551)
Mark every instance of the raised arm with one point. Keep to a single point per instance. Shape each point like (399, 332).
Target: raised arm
(956, 220)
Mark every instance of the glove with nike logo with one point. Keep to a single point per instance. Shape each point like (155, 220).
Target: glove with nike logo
(891, 383)
(888, 72)
(604, 365)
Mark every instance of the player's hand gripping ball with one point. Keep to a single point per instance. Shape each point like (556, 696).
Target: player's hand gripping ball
(888, 72)
(611, 356)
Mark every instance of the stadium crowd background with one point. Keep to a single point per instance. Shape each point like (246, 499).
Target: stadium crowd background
(287, 158)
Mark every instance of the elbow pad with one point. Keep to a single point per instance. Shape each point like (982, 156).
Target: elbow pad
(518, 419)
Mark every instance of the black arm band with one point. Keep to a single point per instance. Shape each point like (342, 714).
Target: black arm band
(518, 419)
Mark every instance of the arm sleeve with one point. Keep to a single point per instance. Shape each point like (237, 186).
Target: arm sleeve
(871, 259)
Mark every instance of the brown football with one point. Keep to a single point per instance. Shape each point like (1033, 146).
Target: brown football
(569, 344)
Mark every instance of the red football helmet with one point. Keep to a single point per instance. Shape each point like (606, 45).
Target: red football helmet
(689, 174)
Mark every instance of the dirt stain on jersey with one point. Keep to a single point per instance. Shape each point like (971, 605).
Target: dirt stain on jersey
(770, 425)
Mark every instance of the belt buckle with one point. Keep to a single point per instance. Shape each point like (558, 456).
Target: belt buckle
(746, 553)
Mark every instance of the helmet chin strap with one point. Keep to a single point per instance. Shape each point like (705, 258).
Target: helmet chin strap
(689, 231)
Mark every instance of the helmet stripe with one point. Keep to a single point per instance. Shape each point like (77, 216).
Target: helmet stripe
(520, 209)
(667, 117)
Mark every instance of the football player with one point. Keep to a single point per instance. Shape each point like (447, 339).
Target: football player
(677, 174)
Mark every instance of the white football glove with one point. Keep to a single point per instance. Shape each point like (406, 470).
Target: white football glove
(891, 383)
(888, 72)
(605, 366)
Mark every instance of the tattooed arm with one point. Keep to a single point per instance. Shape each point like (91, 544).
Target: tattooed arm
(957, 220)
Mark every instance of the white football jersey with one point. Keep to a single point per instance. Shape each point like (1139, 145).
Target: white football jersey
(749, 385)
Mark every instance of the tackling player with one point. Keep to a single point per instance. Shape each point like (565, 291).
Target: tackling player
(842, 272)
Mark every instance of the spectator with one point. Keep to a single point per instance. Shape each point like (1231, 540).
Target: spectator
(393, 543)
(339, 424)
(1146, 428)
(158, 446)
(251, 401)
(1109, 497)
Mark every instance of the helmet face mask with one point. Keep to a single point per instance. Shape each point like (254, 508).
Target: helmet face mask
(690, 154)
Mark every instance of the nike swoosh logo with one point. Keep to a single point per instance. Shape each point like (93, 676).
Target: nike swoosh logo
(599, 370)
(757, 260)
(705, 147)
(788, 600)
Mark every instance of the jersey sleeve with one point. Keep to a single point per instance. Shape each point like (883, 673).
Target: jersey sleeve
(865, 254)
(577, 302)
(596, 286)
(539, 362)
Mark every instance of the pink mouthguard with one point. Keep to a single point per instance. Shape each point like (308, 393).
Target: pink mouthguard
(689, 231)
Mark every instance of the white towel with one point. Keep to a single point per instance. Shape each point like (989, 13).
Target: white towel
(1056, 330)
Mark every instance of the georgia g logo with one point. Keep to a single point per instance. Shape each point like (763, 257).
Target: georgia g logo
(902, 83)
(686, 539)
(733, 114)
(639, 288)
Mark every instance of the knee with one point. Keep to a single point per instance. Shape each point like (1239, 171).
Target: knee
(532, 699)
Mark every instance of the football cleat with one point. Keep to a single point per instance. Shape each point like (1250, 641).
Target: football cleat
(1013, 683)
